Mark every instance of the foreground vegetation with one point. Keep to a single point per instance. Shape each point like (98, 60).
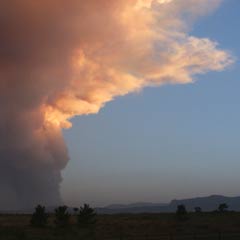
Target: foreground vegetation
(216, 225)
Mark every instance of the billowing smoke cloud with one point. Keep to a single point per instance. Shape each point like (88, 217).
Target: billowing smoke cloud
(62, 58)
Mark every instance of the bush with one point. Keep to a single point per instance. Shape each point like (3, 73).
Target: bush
(86, 216)
(39, 217)
(181, 212)
(198, 210)
(62, 216)
(222, 207)
(75, 210)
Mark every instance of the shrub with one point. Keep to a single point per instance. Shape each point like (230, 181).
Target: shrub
(62, 216)
(39, 217)
(198, 210)
(86, 216)
(75, 210)
(223, 207)
(181, 212)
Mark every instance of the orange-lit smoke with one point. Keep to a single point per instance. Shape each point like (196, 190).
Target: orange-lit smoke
(127, 45)
(62, 58)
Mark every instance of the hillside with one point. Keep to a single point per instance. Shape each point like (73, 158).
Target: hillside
(207, 204)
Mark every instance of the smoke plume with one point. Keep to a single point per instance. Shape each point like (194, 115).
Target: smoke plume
(62, 58)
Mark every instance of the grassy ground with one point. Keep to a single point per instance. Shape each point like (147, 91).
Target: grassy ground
(205, 226)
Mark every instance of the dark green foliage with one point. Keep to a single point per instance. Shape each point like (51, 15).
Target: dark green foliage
(223, 207)
(198, 210)
(62, 216)
(86, 216)
(39, 217)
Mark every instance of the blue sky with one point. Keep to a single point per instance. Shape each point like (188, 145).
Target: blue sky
(175, 141)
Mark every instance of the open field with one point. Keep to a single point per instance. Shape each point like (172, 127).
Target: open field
(205, 226)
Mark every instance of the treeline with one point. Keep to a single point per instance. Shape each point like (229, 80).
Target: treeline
(223, 207)
(85, 216)
(182, 213)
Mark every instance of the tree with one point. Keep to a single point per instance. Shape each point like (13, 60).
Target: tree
(86, 216)
(198, 209)
(39, 217)
(181, 212)
(223, 207)
(75, 210)
(62, 216)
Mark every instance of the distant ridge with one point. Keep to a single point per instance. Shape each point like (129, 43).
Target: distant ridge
(133, 205)
(209, 203)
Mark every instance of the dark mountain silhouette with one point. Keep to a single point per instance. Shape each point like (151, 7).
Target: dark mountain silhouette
(207, 204)
(135, 205)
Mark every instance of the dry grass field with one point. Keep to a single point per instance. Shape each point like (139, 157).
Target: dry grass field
(205, 226)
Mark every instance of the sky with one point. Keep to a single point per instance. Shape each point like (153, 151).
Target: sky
(117, 101)
(171, 142)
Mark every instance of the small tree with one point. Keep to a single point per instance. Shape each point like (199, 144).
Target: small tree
(75, 210)
(223, 207)
(198, 209)
(86, 216)
(39, 217)
(181, 212)
(62, 216)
